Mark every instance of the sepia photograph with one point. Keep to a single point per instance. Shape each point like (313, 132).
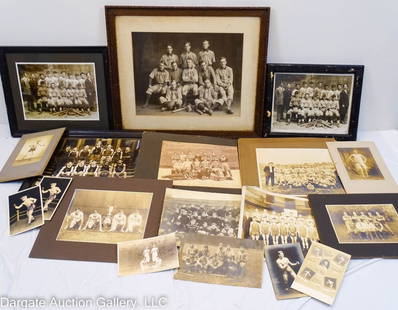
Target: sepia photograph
(33, 150)
(297, 171)
(91, 156)
(180, 73)
(147, 255)
(312, 103)
(58, 91)
(360, 163)
(200, 212)
(197, 164)
(53, 190)
(364, 223)
(322, 272)
(103, 216)
(221, 260)
(276, 219)
(25, 210)
(284, 262)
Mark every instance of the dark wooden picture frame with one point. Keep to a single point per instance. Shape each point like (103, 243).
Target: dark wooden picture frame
(47, 55)
(312, 70)
(326, 230)
(112, 12)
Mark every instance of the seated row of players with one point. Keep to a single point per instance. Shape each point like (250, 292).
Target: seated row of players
(175, 78)
(106, 168)
(281, 228)
(200, 166)
(306, 176)
(119, 222)
(52, 91)
(221, 260)
(200, 219)
(369, 225)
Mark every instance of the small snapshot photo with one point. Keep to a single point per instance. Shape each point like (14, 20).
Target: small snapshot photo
(25, 210)
(101, 216)
(200, 212)
(360, 163)
(147, 255)
(96, 157)
(32, 151)
(221, 260)
(198, 164)
(364, 223)
(58, 91)
(53, 190)
(188, 74)
(276, 219)
(284, 262)
(295, 171)
(312, 103)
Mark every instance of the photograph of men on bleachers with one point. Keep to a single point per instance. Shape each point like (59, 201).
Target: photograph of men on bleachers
(58, 91)
(312, 103)
(185, 74)
(276, 219)
(297, 171)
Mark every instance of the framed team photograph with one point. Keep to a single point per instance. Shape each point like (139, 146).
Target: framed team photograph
(363, 225)
(49, 87)
(361, 167)
(100, 154)
(313, 100)
(169, 74)
(97, 213)
(31, 155)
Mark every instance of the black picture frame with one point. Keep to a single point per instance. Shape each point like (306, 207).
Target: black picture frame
(314, 69)
(327, 233)
(98, 55)
(29, 182)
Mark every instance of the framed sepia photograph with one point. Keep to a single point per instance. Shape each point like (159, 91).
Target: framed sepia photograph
(313, 100)
(169, 74)
(147, 255)
(49, 87)
(361, 167)
(97, 213)
(200, 212)
(31, 155)
(363, 225)
(204, 259)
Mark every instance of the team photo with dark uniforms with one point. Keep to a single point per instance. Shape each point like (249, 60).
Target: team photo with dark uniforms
(187, 74)
(311, 103)
(58, 91)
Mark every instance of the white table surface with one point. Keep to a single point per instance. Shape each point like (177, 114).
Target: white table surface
(369, 283)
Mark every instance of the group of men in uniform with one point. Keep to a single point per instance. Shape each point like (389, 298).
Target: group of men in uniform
(109, 222)
(309, 177)
(202, 166)
(192, 82)
(200, 218)
(217, 260)
(367, 225)
(281, 228)
(97, 160)
(151, 257)
(54, 91)
(305, 103)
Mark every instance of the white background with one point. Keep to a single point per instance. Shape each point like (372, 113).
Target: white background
(301, 31)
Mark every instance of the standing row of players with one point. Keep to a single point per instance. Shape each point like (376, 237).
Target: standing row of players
(52, 91)
(99, 161)
(200, 166)
(305, 103)
(200, 218)
(119, 222)
(281, 228)
(178, 78)
(221, 260)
